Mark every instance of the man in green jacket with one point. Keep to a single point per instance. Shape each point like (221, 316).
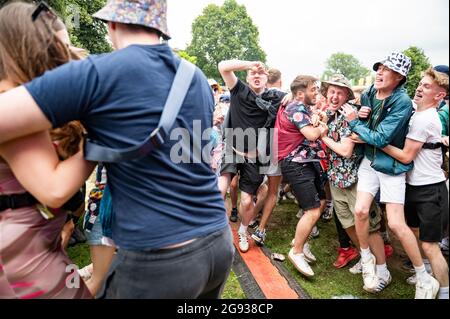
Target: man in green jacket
(390, 111)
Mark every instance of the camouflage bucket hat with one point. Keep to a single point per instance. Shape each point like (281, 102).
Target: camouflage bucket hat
(397, 62)
(337, 80)
(147, 13)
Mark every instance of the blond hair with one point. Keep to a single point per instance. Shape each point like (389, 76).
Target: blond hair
(441, 79)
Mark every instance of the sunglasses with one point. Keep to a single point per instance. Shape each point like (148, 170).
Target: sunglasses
(43, 7)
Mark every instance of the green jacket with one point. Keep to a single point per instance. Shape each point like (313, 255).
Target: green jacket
(443, 115)
(389, 128)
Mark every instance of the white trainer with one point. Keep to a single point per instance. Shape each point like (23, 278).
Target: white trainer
(427, 290)
(412, 280)
(243, 243)
(299, 262)
(310, 258)
(356, 269)
(382, 284)
(85, 272)
(369, 274)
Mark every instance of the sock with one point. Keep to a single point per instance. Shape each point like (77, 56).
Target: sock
(243, 229)
(382, 271)
(365, 254)
(422, 274)
(427, 264)
(443, 293)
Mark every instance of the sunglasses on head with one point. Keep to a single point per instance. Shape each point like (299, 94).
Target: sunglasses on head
(43, 7)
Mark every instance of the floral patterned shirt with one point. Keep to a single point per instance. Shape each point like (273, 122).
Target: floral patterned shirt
(307, 151)
(342, 172)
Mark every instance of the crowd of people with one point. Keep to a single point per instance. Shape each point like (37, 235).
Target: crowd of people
(371, 158)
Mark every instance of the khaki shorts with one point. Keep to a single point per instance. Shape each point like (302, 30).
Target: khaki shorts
(344, 201)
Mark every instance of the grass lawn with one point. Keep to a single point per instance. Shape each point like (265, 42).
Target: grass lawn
(328, 281)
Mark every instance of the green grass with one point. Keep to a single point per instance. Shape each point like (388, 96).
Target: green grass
(328, 281)
(232, 288)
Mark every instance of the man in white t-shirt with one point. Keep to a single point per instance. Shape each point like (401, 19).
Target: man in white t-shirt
(426, 207)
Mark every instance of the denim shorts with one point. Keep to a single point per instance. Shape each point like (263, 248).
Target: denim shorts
(94, 237)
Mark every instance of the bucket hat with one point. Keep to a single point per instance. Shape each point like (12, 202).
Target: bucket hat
(397, 62)
(147, 13)
(337, 80)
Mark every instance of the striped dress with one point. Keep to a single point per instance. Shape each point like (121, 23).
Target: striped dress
(32, 261)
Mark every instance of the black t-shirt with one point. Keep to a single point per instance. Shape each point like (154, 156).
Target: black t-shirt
(245, 114)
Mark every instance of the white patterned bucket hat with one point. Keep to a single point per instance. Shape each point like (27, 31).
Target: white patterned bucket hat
(397, 62)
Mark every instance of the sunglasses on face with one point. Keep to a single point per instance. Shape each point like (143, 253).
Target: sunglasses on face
(43, 7)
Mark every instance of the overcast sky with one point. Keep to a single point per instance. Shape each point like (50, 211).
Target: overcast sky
(299, 35)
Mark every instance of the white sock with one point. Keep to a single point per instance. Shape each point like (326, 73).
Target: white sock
(365, 254)
(427, 264)
(243, 229)
(443, 293)
(382, 271)
(422, 274)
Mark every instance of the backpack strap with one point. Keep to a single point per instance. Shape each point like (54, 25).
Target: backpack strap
(180, 87)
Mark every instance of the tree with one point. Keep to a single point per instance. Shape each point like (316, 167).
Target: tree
(183, 54)
(224, 33)
(346, 64)
(85, 31)
(420, 63)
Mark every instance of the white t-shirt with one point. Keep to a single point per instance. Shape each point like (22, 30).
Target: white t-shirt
(426, 127)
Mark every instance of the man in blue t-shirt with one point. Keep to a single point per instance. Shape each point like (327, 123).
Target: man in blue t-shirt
(169, 217)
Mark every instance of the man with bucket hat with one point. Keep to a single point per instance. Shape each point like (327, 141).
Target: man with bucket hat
(391, 109)
(169, 218)
(343, 170)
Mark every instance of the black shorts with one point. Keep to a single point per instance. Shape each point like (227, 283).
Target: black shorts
(306, 183)
(250, 178)
(426, 208)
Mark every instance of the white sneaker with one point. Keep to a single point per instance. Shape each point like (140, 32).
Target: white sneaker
(427, 290)
(299, 262)
(86, 272)
(314, 233)
(310, 258)
(369, 274)
(382, 283)
(243, 243)
(356, 269)
(300, 213)
(412, 280)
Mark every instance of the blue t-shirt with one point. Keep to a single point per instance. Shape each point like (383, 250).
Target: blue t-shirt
(119, 98)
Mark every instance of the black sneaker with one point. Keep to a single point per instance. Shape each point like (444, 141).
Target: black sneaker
(259, 237)
(254, 225)
(407, 266)
(234, 215)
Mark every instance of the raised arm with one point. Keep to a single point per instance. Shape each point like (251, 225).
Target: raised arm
(227, 69)
(407, 154)
(35, 164)
(20, 115)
